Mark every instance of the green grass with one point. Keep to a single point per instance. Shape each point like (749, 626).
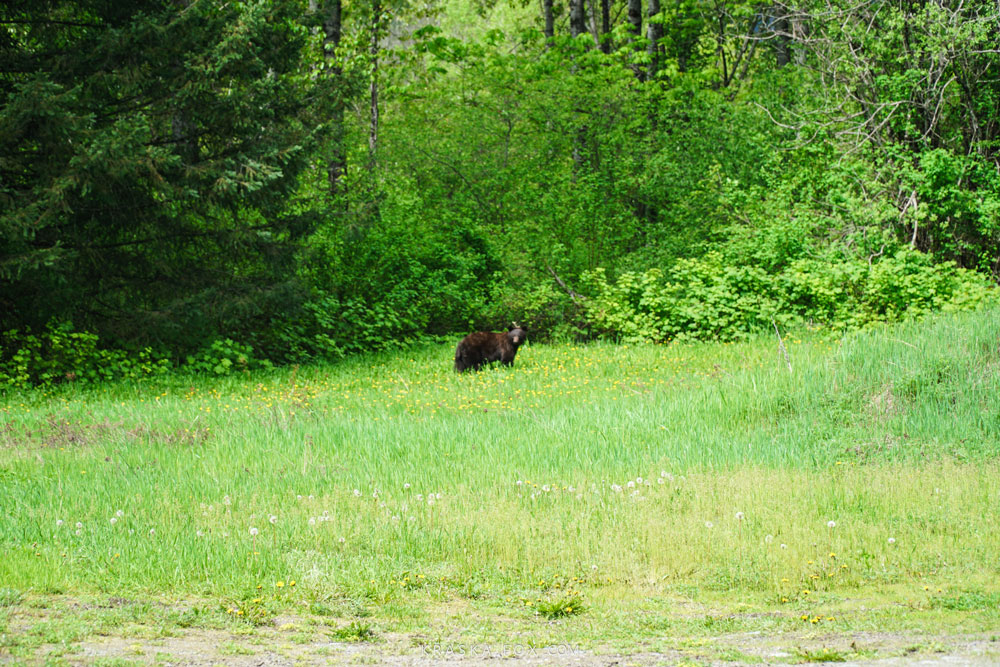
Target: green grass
(620, 477)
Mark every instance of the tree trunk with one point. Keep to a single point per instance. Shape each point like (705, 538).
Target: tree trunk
(606, 26)
(655, 33)
(373, 55)
(635, 28)
(577, 18)
(549, 21)
(336, 167)
(782, 44)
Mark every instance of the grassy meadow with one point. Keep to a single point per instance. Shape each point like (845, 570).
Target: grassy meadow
(600, 493)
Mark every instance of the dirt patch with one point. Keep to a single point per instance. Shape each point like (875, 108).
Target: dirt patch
(289, 645)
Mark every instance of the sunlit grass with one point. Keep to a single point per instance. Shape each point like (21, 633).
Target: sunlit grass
(585, 477)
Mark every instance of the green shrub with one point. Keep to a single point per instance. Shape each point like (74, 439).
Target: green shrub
(712, 299)
(223, 357)
(60, 354)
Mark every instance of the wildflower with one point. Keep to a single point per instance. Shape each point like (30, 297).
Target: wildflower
(546, 488)
(831, 524)
(114, 520)
(631, 484)
(79, 524)
(406, 485)
(280, 584)
(342, 540)
(616, 488)
(298, 497)
(312, 521)
(784, 546)
(519, 483)
(199, 533)
(273, 519)
(439, 496)
(119, 514)
(769, 538)
(708, 524)
(226, 500)
(638, 480)
(659, 481)
(739, 516)
(59, 522)
(253, 531)
(892, 540)
(357, 492)
(152, 531)
(420, 497)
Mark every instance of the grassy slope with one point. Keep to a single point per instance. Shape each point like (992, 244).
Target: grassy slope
(395, 485)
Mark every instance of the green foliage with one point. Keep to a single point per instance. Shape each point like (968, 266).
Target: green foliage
(562, 607)
(223, 357)
(61, 354)
(710, 298)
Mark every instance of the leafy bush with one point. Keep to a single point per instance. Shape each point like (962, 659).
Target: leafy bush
(60, 354)
(223, 357)
(709, 298)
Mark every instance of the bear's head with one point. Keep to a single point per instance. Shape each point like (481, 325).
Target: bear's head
(517, 335)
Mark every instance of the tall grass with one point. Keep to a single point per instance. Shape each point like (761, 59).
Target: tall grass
(605, 470)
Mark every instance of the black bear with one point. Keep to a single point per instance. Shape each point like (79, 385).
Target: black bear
(480, 348)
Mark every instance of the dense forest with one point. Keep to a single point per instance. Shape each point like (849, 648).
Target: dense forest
(221, 184)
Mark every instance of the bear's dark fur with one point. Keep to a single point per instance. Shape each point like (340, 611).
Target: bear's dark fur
(483, 347)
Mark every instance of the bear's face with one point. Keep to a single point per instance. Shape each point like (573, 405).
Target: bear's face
(517, 335)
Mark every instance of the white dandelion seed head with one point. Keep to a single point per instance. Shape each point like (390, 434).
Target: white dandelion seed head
(406, 485)
(199, 533)
(518, 483)
(593, 567)
(59, 522)
(114, 520)
(79, 524)
(298, 497)
(342, 540)
(439, 496)
(663, 473)
(739, 516)
(420, 497)
(78, 531)
(546, 488)
(638, 480)
(152, 531)
(311, 496)
(119, 513)
(892, 540)
(769, 538)
(831, 524)
(226, 500)
(273, 519)
(660, 481)
(326, 513)
(630, 484)
(357, 492)
(616, 488)
(784, 546)
(708, 524)
(253, 531)
(312, 521)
